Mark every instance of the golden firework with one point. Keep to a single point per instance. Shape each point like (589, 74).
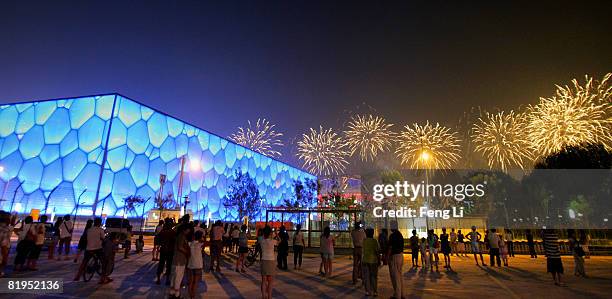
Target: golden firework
(261, 138)
(502, 139)
(323, 152)
(428, 147)
(574, 115)
(368, 135)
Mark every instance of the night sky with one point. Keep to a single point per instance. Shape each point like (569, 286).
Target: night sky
(301, 64)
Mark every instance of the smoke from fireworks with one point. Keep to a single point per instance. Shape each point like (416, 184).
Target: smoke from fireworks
(502, 139)
(322, 152)
(368, 135)
(428, 147)
(575, 115)
(261, 138)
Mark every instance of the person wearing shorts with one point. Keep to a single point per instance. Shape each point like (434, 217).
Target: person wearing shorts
(196, 263)
(268, 263)
(554, 265)
(474, 237)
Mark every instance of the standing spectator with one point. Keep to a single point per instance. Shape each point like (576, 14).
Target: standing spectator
(283, 248)
(56, 237)
(461, 246)
(446, 248)
(323, 253)
(243, 248)
(474, 238)
(267, 263)
(166, 239)
(503, 251)
(434, 245)
(578, 254)
(5, 240)
(453, 242)
(95, 236)
(155, 251)
(108, 257)
(235, 234)
(196, 263)
(128, 242)
(180, 259)
(39, 241)
(357, 235)
(298, 247)
(227, 240)
(217, 245)
(414, 246)
(554, 265)
(493, 241)
(328, 241)
(370, 262)
(65, 232)
(509, 236)
(383, 242)
(585, 240)
(83, 240)
(139, 244)
(25, 242)
(531, 245)
(423, 249)
(396, 260)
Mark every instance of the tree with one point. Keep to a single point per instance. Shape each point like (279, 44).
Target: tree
(243, 194)
(586, 156)
(166, 202)
(305, 194)
(131, 202)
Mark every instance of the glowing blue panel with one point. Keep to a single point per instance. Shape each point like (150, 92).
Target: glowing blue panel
(138, 137)
(230, 155)
(146, 112)
(172, 169)
(25, 121)
(158, 129)
(203, 138)
(104, 106)
(118, 135)
(208, 161)
(90, 134)
(73, 164)
(52, 175)
(156, 168)
(140, 170)
(32, 143)
(215, 144)
(94, 155)
(123, 186)
(194, 152)
(55, 128)
(43, 111)
(49, 154)
(220, 163)
(107, 184)
(168, 150)
(69, 144)
(30, 175)
(10, 145)
(87, 180)
(82, 110)
(12, 165)
(129, 112)
(181, 145)
(8, 120)
(116, 158)
(175, 127)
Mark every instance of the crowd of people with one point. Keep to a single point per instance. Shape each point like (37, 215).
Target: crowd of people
(180, 246)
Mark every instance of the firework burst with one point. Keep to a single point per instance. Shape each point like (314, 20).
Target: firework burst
(261, 138)
(322, 152)
(368, 135)
(575, 115)
(502, 139)
(428, 147)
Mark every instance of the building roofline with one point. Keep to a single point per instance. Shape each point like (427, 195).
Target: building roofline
(161, 112)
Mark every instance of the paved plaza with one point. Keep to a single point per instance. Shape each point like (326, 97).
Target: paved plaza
(525, 278)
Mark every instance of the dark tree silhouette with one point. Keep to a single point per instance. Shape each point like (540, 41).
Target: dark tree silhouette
(243, 194)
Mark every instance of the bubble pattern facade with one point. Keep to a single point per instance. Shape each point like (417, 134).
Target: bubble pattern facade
(52, 153)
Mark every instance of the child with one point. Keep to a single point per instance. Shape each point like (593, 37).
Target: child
(139, 244)
(503, 250)
(424, 252)
(108, 259)
(196, 264)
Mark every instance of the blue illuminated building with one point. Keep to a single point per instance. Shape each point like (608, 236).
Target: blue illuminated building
(52, 153)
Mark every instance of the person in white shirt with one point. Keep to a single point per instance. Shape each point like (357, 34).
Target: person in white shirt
(268, 267)
(358, 235)
(95, 236)
(65, 231)
(298, 247)
(196, 263)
